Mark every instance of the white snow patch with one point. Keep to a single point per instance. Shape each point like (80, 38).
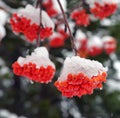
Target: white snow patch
(40, 57)
(113, 85)
(2, 63)
(101, 2)
(3, 17)
(62, 27)
(95, 41)
(80, 35)
(55, 35)
(2, 32)
(6, 114)
(34, 14)
(4, 70)
(117, 67)
(106, 22)
(67, 53)
(77, 65)
(57, 7)
(107, 38)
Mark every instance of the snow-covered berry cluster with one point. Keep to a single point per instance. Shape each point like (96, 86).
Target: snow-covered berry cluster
(80, 77)
(94, 46)
(28, 23)
(36, 67)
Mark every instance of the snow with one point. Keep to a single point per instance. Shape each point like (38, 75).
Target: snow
(3, 17)
(67, 53)
(80, 35)
(2, 32)
(95, 41)
(116, 64)
(2, 63)
(55, 34)
(68, 106)
(39, 57)
(62, 27)
(101, 2)
(3, 68)
(34, 14)
(6, 114)
(71, 25)
(106, 22)
(77, 65)
(113, 85)
(57, 7)
(107, 38)
(117, 67)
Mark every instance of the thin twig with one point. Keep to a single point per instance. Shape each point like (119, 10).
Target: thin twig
(39, 4)
(67, 25)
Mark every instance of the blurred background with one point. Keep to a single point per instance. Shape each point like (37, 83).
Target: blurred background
(20, 98)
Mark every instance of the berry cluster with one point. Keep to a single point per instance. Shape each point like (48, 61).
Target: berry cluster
(94, 46)
(75, 79)
(36, 67)
(23, 22)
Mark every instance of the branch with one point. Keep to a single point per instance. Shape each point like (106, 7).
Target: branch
(67, 25)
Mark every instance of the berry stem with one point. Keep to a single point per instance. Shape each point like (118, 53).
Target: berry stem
(39, 4)
(67, 25)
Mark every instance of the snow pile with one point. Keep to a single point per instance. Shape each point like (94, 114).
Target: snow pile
(34, 14)
(40, 57)
(6, 114)
(77, 65)
(3, 19)
(95, 41)
(36, 67)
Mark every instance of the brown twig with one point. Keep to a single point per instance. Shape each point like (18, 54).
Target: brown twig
(67, 25)
(39, 4)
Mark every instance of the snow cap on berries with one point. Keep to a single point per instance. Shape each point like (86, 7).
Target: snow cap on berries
(102, 8)
(27, 21)
(101, 2)
(95, 41)
(36, 67)
(80, 76)
(77, 65)
(40, 57)
(109, 44)
(95, 46)
(33, 14)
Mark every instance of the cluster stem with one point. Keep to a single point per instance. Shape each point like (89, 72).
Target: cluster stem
(68, 27)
